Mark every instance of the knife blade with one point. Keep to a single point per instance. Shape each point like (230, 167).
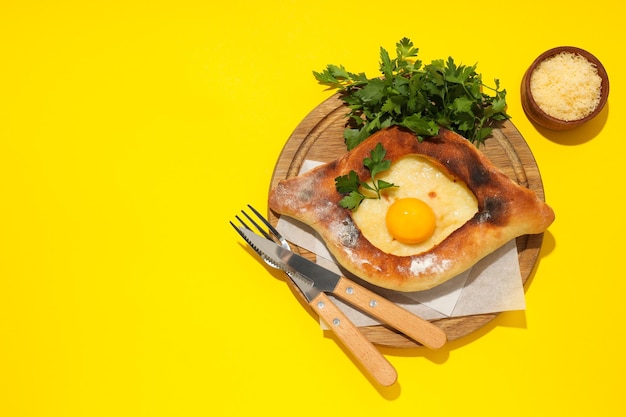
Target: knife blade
(316, 280)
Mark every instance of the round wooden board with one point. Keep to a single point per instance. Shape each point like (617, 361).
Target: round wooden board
(319, 137)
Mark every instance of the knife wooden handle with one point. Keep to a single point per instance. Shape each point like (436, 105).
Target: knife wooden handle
(362, 349)
(415, 327)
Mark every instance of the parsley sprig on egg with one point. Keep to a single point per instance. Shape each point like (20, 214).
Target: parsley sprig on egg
(419, 97)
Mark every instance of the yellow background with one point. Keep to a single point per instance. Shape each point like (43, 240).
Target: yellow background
(132, 132)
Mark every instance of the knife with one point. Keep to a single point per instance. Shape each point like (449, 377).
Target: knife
(314, 281)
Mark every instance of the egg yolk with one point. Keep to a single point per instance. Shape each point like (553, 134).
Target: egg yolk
(410, 220)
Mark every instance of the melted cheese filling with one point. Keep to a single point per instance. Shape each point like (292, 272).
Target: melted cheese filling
(419, 177)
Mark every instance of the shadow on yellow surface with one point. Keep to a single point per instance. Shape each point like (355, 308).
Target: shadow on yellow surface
(577, 135)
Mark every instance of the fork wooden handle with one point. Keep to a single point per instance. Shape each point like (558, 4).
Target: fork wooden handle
(415, 327)
(362, 349)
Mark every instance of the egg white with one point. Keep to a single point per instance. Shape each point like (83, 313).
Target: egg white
(419, 177)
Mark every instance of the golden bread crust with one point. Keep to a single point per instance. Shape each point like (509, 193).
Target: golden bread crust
(506, 210)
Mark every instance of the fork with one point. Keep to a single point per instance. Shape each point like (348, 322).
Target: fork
(273, 234)
(361, 348)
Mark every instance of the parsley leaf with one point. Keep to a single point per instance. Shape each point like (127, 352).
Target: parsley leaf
(350, 185)
(421, 98)
(352, 200)
(347, 183)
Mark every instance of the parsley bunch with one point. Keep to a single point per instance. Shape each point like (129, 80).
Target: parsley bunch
(419, 98)
(350, 185)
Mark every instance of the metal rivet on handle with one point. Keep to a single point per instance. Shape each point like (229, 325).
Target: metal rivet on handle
(336, 322)
(349, 290)
(320, 304)
(373, 303)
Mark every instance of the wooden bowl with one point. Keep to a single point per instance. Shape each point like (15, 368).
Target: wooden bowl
(537, 115)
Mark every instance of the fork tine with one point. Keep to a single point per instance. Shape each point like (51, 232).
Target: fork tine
(271, 228)
(237, 228)
(256, 225)
(242, 222)
(245, 225)
(250, 244)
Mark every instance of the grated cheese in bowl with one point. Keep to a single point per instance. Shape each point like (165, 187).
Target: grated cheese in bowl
(566, 86)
